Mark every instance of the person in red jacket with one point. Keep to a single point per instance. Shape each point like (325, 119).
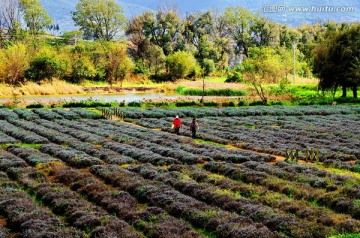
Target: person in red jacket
(177, 124)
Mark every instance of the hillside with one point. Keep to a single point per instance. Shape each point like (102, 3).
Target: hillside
(60, 9)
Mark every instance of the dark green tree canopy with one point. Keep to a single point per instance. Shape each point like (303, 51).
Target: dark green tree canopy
(337, 60)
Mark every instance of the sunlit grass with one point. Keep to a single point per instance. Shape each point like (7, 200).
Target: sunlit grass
(346, 236)
(343, 172)
(205, 142)
(22, 145)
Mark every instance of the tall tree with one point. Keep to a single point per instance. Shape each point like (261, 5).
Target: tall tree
(238, 23)
(35, 16)
(200, 35)
(162, 29)
(135, 29)
(337, 61)
(99, 19)
(265, 32)
(165, 31)
(198, 26)
(9, 15)
(265, 65)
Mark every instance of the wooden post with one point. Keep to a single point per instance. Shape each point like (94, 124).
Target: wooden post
(312, 155)
(292, 155)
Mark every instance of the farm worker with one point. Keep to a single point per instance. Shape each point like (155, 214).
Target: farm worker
(194, 126)
(177, 124)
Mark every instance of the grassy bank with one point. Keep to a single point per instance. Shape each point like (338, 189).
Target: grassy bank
(209, 92)
(217, 92)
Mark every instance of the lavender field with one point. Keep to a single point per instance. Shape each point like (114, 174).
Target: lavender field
(72, 173)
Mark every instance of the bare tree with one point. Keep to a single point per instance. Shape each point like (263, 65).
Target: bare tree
(9, 15)
(168, 6)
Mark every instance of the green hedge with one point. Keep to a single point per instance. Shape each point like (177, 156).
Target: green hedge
(210, 92)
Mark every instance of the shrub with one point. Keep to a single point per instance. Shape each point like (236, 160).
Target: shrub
(234, 76)
(134, 104)
(86, 104)
(82, 68)
(180, 64)
(35, 105)
(208, 66)
(158, 78)
(211, 104)
(228, 104)
(243, 103)
(256, 103)
(86, 114)
(141, 68)
(46, 65)
(7, 114)
(279, 103)
(185, 104)
(210, 92)
(14, 61)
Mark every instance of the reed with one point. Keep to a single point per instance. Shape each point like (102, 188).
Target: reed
(55, 87)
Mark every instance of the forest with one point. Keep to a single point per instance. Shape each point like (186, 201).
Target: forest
(166, 46)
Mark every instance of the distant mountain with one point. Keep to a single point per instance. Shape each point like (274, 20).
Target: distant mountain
(292, 12)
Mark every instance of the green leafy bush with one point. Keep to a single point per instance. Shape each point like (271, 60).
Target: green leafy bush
(208, 66)
(87, 104)
(181, 64)
(234, 75)
(210, 92)
(35, 105)
(243, 103)
(185, 104)
(256, 103)
(134, 104)
(141, 68)
(211, 104)
(82, 68)
(46, 65)
(228, 104)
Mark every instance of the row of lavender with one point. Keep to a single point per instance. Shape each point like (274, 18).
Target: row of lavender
(149, 192)
(152, 147)
(87, 203)
(124, 199)
(282, 190)
(337, 136)
(136, 113)
(145, 146)
(11, 134)
(132, 145)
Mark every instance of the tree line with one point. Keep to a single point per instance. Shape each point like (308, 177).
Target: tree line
(164, 45)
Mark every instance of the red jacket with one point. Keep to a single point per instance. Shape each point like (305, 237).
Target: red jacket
(177, 122)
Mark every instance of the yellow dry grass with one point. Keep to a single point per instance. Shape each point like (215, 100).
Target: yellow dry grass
(56, 87)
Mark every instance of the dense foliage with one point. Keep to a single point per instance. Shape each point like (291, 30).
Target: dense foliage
(101, 61)
(214, 42)
(337, 60)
